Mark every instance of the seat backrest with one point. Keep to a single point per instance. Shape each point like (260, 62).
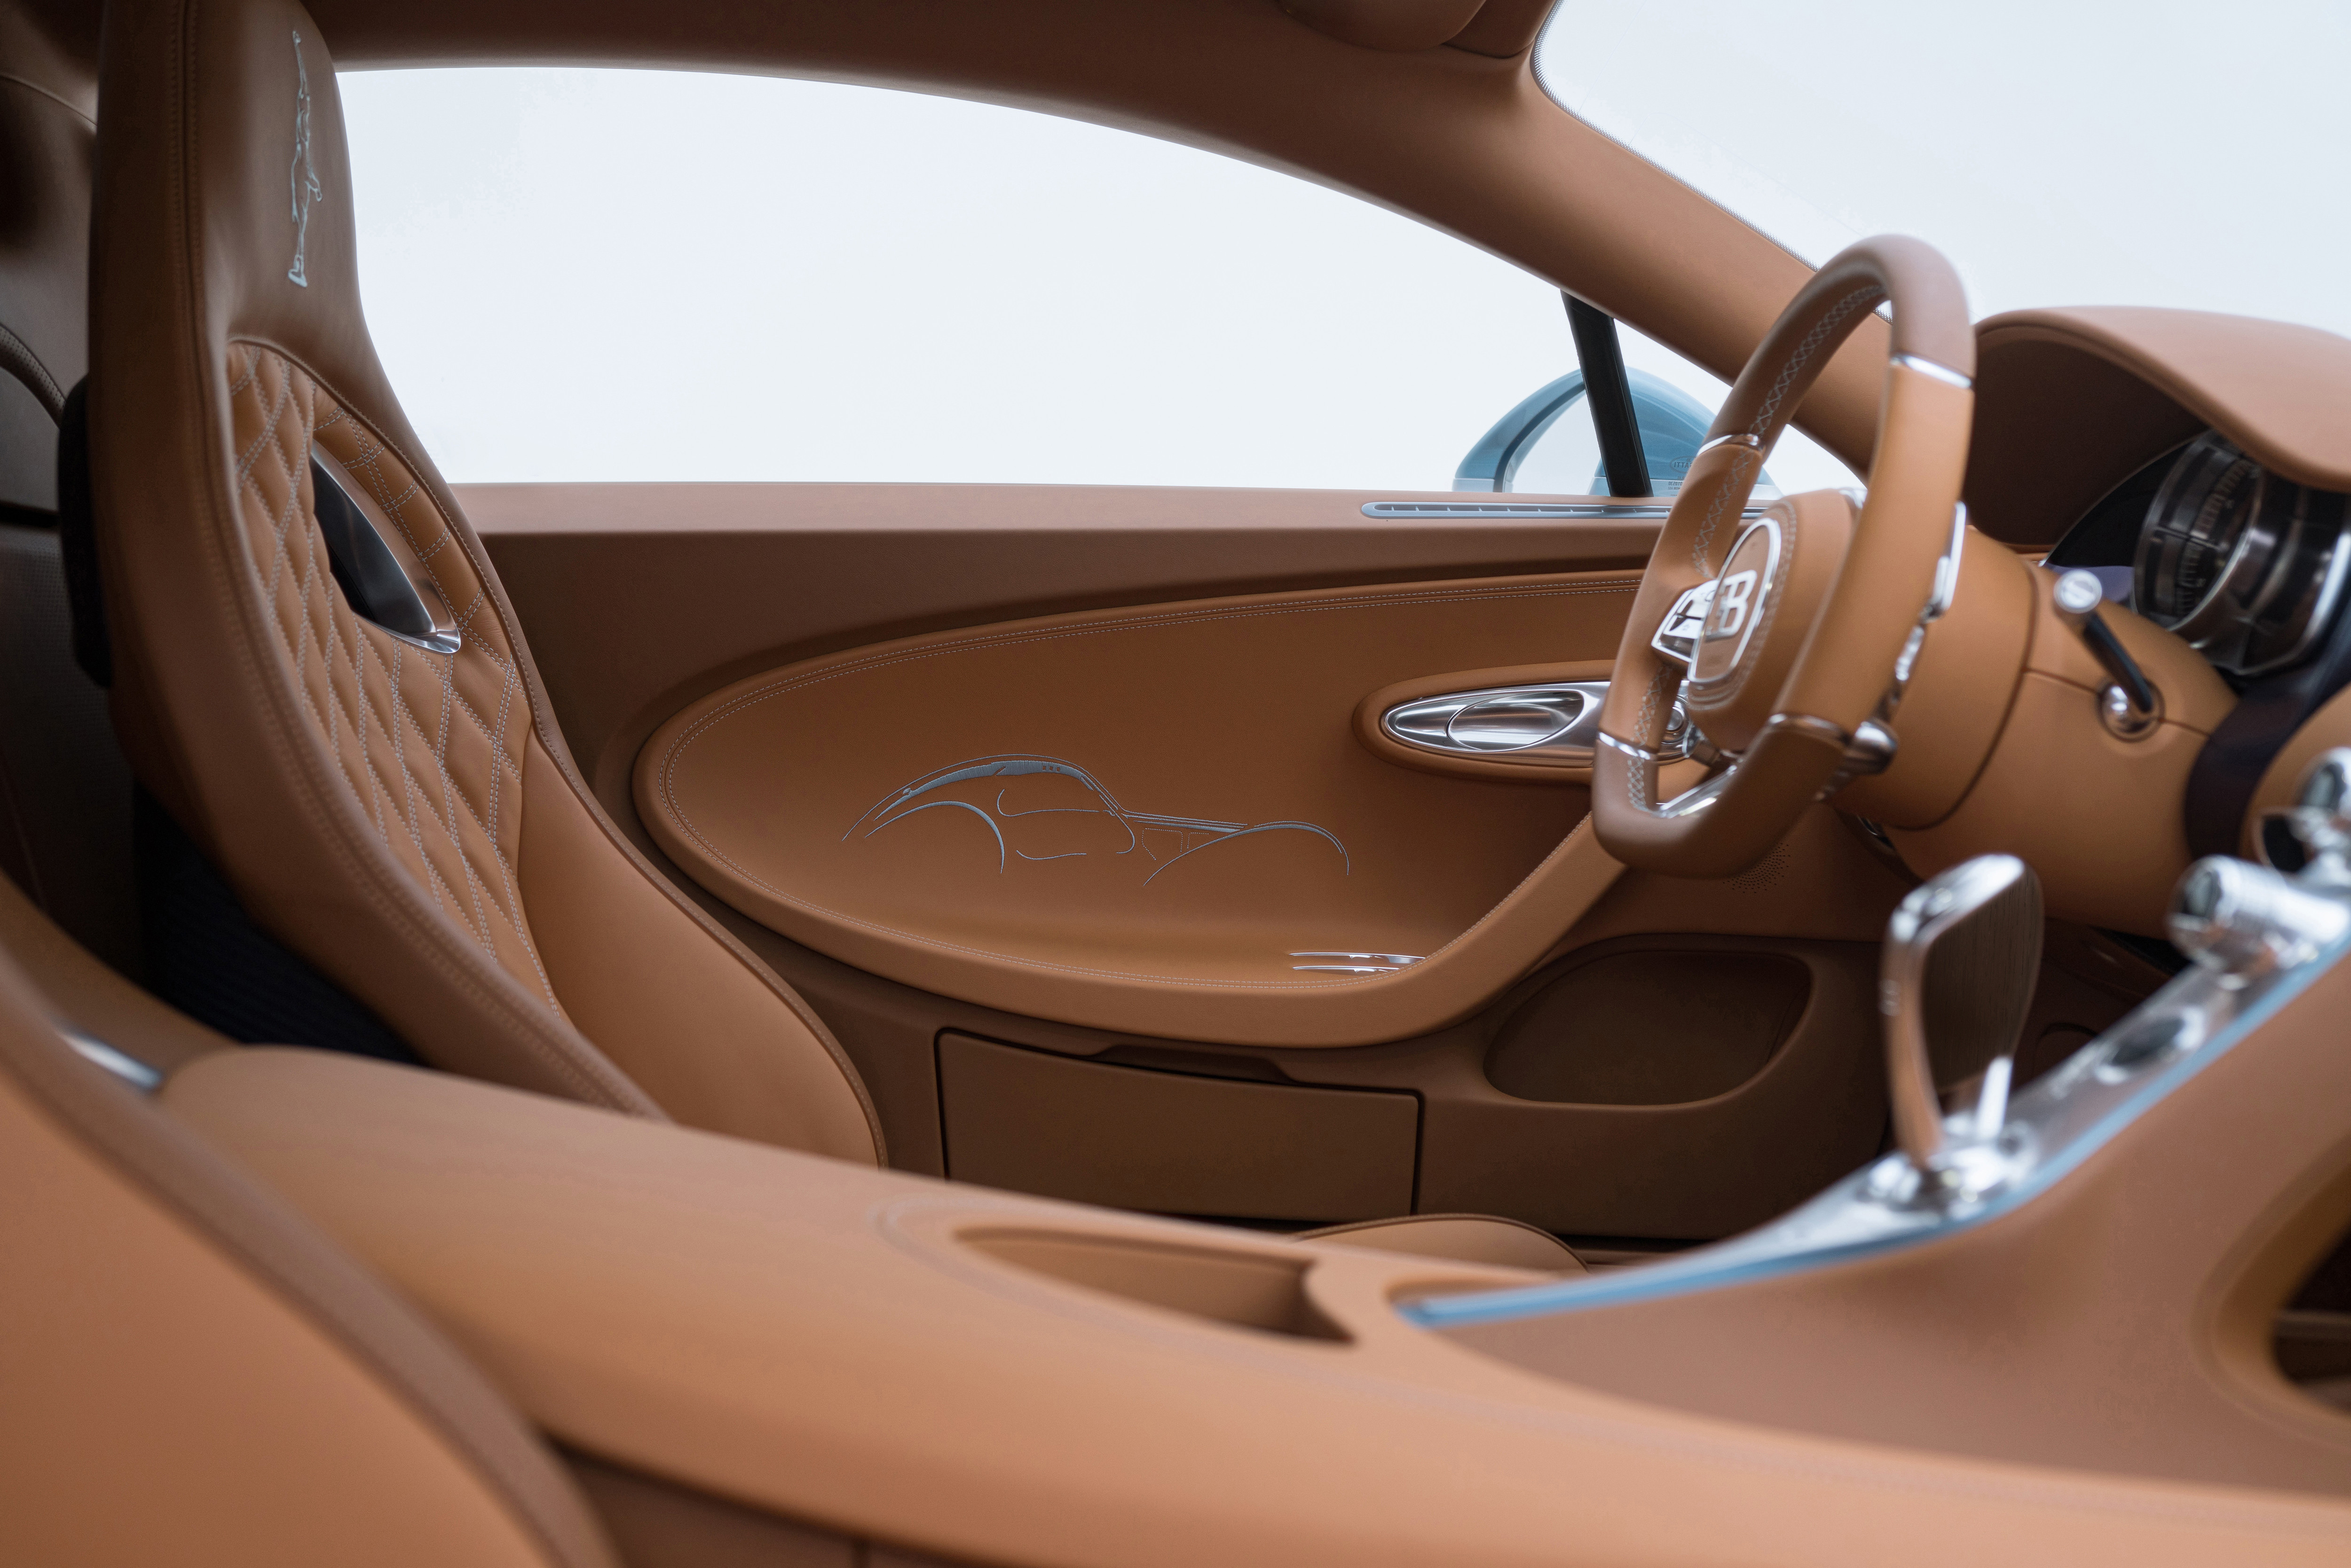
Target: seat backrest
(353, 731)
(194, 1376)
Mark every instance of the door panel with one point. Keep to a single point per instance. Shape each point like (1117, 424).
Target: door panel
(1155, 820)
(1728, 1079)
(641, 600)
(1691, 1170)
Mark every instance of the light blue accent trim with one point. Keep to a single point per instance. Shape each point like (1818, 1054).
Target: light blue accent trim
(964, 805)
(895, 808)
(1811, 1236)
(1344, 859)
(1134, 841)
(128, 1068)
(983, 767)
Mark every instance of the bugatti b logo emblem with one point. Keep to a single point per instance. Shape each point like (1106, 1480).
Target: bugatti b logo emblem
(304, 176)
(1732, 602)
(1743, 596)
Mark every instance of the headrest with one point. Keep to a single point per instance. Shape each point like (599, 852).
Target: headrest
(225, 203)
(223, 216)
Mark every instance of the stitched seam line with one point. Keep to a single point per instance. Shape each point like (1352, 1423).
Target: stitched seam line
(990, 644)
(670, 760)
(1865, 294)
(1188, 981)
(297, 394)
(1734, 482)
(535, 1036)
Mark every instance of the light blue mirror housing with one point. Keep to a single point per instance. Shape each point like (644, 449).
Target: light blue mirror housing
(1673, 427)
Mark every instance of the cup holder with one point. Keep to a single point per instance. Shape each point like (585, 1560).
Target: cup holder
(1242, 1290)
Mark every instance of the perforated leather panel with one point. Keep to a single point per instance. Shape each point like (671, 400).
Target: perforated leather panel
(429, 744)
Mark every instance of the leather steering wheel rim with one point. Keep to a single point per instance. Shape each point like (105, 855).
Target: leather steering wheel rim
(1845, 671)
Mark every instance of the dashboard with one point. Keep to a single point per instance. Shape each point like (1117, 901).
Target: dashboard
(2202, 466)
(2246, 566)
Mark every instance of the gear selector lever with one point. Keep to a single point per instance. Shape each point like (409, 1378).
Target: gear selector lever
(1963, 954)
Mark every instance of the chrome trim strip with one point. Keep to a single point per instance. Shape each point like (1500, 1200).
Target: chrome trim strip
(1906, 664)
(1639, 512)
(1640, 752)
(1691, 801)
(1358, 963)
(1939, 599)
(1548, 703)
(1943, 374)
(1367, 957)
(1736, 438)
(2059, 1122)
(1431, 724)
(129, 1069)
(1645, 511)
(1946, 571)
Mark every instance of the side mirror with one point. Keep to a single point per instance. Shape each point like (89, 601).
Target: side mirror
(1547, 443)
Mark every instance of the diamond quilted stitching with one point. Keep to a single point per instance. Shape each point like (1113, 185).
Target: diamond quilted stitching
(429, 746)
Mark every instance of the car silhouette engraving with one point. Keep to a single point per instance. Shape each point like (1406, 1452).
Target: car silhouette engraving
(1040, 809)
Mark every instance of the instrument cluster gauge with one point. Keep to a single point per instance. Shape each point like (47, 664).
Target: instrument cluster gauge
(2246, 566)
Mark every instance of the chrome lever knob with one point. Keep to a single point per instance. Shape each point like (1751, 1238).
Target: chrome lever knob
(2321, 819)
(2243, 920)
(2129, 708)
(1961, 957)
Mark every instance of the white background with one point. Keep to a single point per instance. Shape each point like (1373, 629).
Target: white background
(2060, 152)
(624, 275)
(640, 275)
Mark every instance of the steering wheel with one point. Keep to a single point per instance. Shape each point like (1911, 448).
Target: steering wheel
(1782, 638)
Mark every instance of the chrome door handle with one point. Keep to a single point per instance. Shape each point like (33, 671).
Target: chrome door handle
(1552, 723)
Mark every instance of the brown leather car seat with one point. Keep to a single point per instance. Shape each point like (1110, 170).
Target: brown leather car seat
(383, 785)
(407, 820)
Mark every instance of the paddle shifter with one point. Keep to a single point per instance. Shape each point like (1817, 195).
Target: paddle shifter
(1963, 954)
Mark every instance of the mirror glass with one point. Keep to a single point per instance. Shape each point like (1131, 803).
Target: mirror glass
(1563, 458)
